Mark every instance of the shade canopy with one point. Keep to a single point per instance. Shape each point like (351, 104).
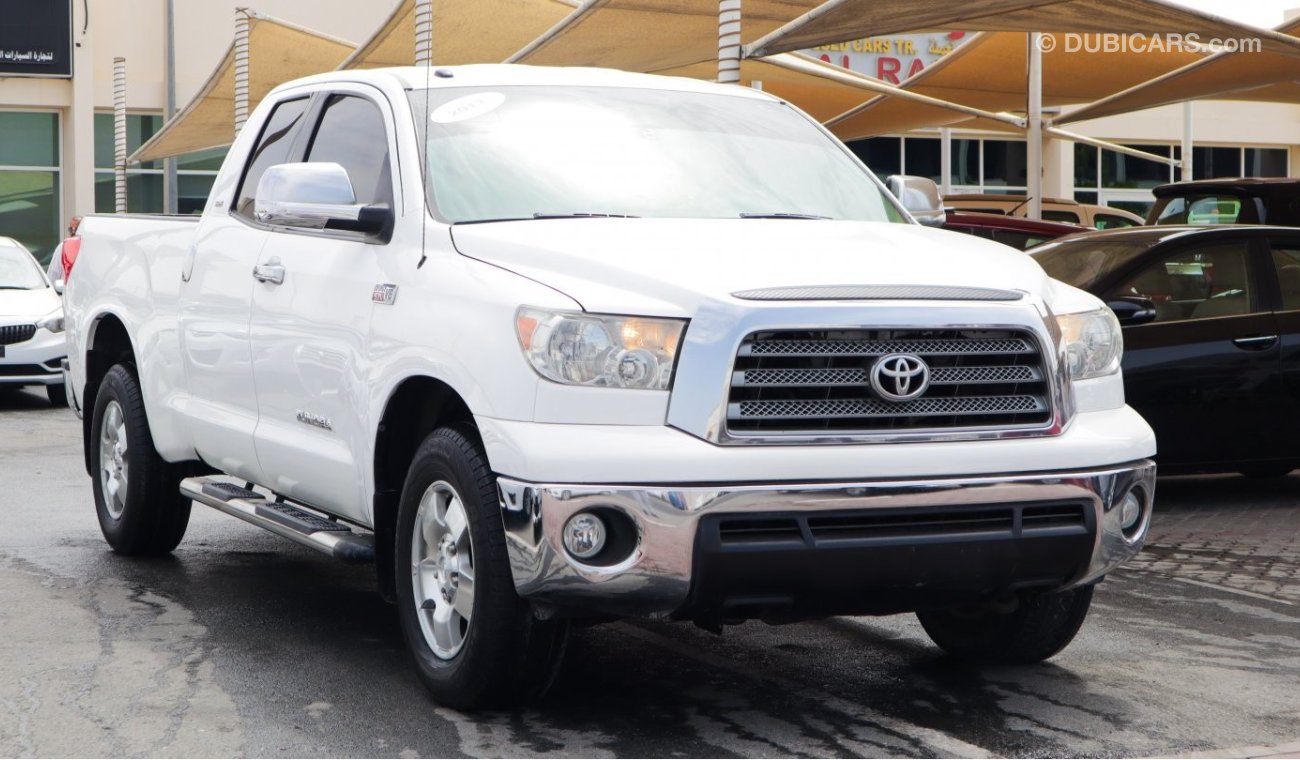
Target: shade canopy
(464, 31)
(278, 51)
(652, 36)
(841, 20)
(988, 72)
(1264, 77)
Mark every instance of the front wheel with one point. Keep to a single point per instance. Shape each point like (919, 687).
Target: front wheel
(1024, 629)
(137, 497)
(476, 644)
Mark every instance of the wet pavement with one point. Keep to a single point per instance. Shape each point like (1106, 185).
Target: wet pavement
(244, 644)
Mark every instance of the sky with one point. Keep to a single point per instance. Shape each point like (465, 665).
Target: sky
(1265, 13)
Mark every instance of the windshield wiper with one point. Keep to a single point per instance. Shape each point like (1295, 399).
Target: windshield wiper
(779, 215)
(584, 215)
(14, 287)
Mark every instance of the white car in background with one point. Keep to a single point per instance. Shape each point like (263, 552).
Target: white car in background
(32, 343)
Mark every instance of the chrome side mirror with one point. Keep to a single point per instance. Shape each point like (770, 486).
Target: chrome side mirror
(920, 196)
(316, 196)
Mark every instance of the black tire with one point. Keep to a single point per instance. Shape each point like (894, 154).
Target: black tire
(151, 519)
(506, 655)
(58, 395)
(1026, 629)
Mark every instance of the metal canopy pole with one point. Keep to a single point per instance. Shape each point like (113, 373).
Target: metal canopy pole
(171, 192)
(729, 41)
(423, 32)
(119, 134)
(1034, 131)
(241, 68)
(945, 161)
(1188, 163)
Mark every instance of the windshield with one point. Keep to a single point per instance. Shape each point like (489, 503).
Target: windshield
(1083, 262)
(527, 152)
(18, 270)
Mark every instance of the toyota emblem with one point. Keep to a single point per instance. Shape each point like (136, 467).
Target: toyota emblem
(900, 377)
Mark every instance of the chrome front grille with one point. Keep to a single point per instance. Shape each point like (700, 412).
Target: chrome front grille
(802, 382)
(11, 334)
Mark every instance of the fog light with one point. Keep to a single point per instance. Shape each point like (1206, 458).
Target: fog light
(584, 535)
(1130, 511)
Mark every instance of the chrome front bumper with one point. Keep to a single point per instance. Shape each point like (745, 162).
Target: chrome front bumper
(655, 579)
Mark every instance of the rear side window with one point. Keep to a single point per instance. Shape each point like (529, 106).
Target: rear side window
(351, 133)
(272, 148)
(1110, 221)
(1200, 209)
(1068, 217)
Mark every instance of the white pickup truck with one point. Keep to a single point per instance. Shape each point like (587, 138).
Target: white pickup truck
(558, 344)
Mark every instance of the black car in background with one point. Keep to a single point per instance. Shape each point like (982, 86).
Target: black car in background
(1211, 320)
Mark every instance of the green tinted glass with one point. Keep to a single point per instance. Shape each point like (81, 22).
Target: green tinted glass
(29, 139)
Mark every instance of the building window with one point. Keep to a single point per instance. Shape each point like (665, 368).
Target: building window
(1266, 162)
(997, 166)
(144, 182)
(30, 182)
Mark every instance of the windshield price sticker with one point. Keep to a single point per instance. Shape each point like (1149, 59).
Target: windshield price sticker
(468, 107)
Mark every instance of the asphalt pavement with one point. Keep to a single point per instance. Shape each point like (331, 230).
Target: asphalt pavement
(243, 644)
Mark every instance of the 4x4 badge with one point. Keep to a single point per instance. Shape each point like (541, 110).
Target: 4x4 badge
(900, 377)
(385, 294)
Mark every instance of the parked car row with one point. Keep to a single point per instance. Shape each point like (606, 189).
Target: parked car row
(32, 344)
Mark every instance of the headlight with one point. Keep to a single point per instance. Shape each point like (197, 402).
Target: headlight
(592, 349)
(52, 321)
(1093, 343)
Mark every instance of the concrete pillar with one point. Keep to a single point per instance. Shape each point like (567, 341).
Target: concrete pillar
(1058, 168)
(1188, 167)
(78, 173)
(945, 161)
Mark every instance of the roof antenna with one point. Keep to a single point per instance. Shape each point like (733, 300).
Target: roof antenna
(424, 57)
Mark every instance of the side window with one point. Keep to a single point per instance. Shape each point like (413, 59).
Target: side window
(1286, 257)
(351, 133)
(1110, 221)
(1068, 217)
(272, 148)
(1019, 240)
(1198, 282)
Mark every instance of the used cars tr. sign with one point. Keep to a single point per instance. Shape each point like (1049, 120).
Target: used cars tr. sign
(36, 38)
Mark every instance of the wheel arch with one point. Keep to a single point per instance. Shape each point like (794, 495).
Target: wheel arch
(107, 343)
(416, 407)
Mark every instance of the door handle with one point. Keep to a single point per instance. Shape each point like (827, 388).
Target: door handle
(272, 273)
(1256, 342)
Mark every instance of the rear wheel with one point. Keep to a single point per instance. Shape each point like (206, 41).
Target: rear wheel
(137, 497)
(58, 394)
(476, 644)
(1023, 629)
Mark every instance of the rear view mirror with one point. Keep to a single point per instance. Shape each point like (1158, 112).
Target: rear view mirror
(1133, 310)
(316, 196)
(920, 196)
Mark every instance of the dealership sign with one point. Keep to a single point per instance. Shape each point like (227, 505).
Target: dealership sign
(35, 38)
(892, 58)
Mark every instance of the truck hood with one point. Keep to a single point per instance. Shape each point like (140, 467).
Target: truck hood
(668, 267)
(27, 305)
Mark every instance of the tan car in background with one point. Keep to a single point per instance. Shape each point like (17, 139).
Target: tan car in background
(1054, 210)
